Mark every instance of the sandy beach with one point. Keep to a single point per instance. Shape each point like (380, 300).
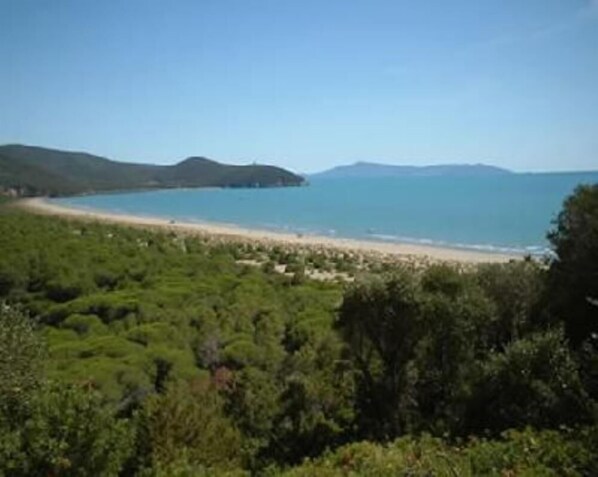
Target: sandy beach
(400, 251)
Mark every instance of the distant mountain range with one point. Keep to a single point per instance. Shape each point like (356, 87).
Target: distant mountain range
(29, 170)
(372, 169)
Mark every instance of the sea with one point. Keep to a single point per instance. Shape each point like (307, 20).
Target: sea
(503, 213)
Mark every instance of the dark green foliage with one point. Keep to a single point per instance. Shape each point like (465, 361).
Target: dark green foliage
(535, 382)
(448, 352)
(379, 321)
(23, 179)
(573, 278)
(186, 425)
(21, 356)
(516, 290)
(253, 404)
(316, 404)
(573, 275)
(26, 171)
(63, 430)
(414, 341)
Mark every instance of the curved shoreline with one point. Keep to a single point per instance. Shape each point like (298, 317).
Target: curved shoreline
(401, 251)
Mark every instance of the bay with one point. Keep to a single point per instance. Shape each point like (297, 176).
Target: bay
(506, 213)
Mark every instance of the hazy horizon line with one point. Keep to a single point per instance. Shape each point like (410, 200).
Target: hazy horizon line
(348, 162)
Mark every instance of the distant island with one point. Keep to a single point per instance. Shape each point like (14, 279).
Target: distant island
(37, 171)
(372, 169)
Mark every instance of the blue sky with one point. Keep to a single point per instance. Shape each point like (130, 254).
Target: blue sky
(305, 84)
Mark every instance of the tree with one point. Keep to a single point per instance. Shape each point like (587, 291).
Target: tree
(316, 405)
(573, 275)
(63, 430)
(380, 322)
(21, 354)
(253, 403)
(535, 382)
(516, 289)
(435, 351)
(414, 339)
(50, 429)
(456, 315)
(186, 424)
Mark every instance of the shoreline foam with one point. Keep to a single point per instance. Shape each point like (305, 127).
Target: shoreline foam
(236, 233)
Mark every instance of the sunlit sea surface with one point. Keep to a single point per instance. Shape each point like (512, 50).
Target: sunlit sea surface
(510, 213)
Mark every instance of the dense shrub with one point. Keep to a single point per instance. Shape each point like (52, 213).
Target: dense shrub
(185, 426)
(63, 430)
(526, 453)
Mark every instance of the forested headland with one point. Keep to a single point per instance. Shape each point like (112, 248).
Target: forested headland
(126, 351)
(37, 171)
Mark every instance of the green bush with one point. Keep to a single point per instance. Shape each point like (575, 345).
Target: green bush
(185, 427)
(21, 355)
(63, 431)
(524, 453)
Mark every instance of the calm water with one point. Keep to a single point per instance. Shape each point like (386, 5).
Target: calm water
(503, 213)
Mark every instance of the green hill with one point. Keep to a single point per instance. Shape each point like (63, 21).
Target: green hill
(28, 170)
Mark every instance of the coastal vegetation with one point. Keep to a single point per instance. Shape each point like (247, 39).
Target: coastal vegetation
(130, 351)
(32, 171)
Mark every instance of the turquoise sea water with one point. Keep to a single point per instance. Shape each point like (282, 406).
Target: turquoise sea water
(501, 213)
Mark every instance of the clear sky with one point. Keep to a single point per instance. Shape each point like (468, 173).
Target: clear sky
(306, 84)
